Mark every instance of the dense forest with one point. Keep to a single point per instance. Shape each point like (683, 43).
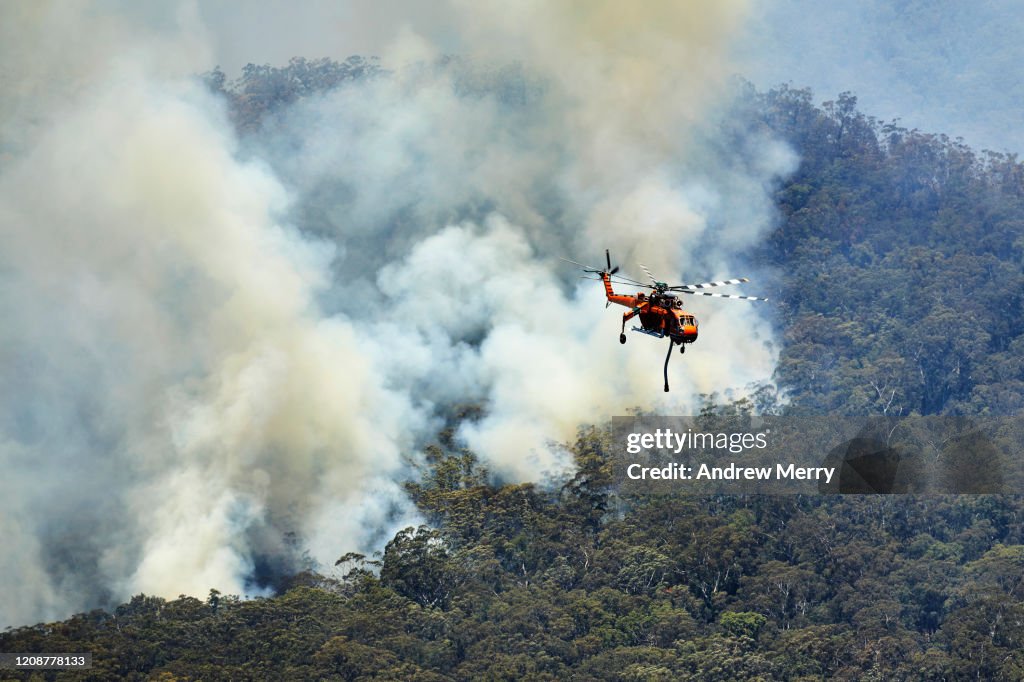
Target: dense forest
(902, 254)
(520, 583)
(899, 258)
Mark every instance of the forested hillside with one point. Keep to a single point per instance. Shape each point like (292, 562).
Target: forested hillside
(901, 254)
(521, 583)
(898, 256)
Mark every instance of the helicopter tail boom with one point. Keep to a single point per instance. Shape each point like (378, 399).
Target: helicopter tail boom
(607, 279)
(628, 301)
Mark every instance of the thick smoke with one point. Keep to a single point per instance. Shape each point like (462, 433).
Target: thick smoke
(216, 356)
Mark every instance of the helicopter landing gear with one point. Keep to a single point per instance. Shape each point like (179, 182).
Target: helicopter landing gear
(622, 338)
(682, 348)
(668, 356)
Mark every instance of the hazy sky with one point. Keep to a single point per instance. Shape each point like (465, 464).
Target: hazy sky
(945, 66)
(941, 66)
(273, 31)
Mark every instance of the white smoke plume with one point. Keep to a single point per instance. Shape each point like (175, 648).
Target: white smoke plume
(215, 355)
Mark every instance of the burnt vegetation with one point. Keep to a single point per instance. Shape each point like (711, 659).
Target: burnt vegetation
(899, 256)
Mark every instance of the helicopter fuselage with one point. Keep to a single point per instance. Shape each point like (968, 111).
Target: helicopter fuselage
(661, 314)
(660, 311)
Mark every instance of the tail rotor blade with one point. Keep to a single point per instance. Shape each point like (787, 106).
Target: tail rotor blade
(607, 270)
(608, 259)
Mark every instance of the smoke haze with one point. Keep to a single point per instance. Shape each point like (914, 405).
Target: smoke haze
(943, 67)
(220, 354)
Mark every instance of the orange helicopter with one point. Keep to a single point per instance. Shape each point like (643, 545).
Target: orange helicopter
(661, 312)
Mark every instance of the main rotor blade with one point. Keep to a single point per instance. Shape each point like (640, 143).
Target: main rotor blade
(588, 268)
(644, 267)
(705, 285)
(617, 281)
(632, 282)
(622, 279)
(708, 293)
